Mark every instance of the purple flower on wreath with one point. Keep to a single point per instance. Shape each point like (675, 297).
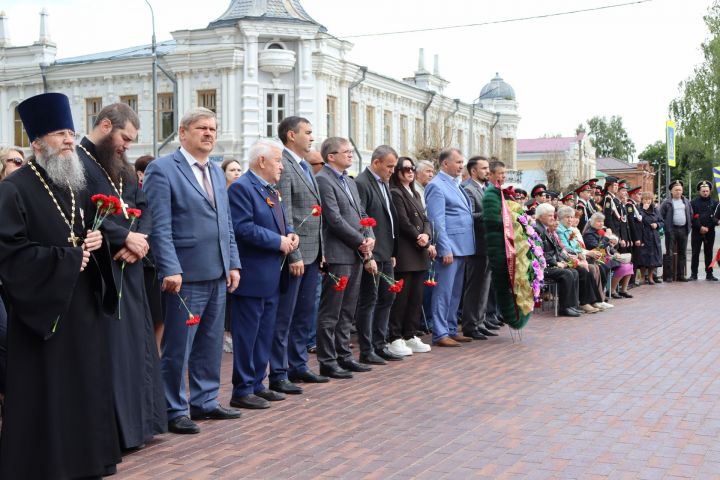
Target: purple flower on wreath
(530, 230)
(523, 219)
(537, 251)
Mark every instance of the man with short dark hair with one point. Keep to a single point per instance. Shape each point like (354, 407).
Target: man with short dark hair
(450, 213)
(703, 230)
(375, 301)
(137, 383)
(477, 265)
(295, 315)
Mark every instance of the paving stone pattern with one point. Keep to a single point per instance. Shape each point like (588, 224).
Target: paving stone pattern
(631, 393)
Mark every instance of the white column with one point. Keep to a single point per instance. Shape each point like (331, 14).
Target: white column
(224, 106)
(305, 94)
(250, 125)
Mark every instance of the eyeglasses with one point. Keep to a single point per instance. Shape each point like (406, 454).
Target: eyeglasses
(408, 169)
(16, 160)
(318, 163)
(344, 152)
(63, 134)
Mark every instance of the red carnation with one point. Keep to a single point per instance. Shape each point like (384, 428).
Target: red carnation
(696, 216)
(99, 200)
(601, 232)
(134, 213)
(315, 210)
(368, 222)
(430, 283)
(192, 320)
(340, 282)
(397, 286)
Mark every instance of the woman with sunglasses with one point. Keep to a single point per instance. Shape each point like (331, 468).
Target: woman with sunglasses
(415, 251)
(11, 159)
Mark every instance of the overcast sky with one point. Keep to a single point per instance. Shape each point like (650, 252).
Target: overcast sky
(623, 61)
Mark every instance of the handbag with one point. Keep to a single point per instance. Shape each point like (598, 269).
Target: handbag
(623, 257)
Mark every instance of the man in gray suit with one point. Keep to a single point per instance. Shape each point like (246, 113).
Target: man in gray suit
(295, 316)
(477, 266)
(347, 246)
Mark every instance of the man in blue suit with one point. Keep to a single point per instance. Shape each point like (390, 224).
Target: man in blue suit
(264, 239)
(450, 214)
(197, 261)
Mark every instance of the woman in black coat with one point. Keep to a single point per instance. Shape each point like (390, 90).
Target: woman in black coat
(414, 253)
(650, 254)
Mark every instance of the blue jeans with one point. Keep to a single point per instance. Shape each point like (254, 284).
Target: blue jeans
(446, 298)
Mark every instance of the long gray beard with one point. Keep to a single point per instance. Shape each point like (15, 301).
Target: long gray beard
(64, 169)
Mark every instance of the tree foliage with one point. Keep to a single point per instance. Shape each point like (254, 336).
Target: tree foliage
(610, 138)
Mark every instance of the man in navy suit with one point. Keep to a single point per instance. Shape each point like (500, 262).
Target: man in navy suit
(197, 261)
(450, 214)
(264, 239)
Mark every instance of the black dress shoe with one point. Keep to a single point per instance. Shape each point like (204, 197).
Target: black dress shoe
(692, 278)
(710, 278)
(568, 312)
(353, 366)
(285, 386)
(220, 413)
(307, 377)
(625, 295)
(487, 332)
(388, 355)
(335, 372)
(475, 335)
(491, 326)
(616, 296)
(251, 401)
(270, 395)
(657, 279)
(372, 358)
(682, 279)
(183, 425)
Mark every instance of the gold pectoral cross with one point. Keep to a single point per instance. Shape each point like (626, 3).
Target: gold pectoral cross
(124, 208)
(73, 239)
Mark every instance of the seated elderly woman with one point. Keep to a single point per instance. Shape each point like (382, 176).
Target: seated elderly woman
(596, 236)
(557, 269)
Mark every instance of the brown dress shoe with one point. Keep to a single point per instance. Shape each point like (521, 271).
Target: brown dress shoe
(461, 338)
(447, 342)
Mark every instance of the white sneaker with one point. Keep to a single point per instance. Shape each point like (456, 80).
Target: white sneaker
(607, 305)
(417, 345)
(598, 305)
(398, 347)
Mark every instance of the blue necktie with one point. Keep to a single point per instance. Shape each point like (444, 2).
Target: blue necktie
(306, 168)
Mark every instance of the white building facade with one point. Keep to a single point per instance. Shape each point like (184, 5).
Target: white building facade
(259, 62)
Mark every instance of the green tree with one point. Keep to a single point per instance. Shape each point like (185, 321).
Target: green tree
(610, 138)
(697, 110)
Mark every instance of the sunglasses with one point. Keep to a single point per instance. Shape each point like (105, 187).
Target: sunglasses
(16, 160)
(407, 169)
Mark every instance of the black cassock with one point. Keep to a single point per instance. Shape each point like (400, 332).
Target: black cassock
(137, 383)
(59, 418)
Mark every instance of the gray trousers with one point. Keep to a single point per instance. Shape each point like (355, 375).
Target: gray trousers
(475, 293)
(373, 309)
(336, 313)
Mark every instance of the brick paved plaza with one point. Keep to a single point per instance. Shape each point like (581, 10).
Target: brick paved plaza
(627, 394)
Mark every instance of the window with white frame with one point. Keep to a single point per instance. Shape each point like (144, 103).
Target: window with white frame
(275, 111)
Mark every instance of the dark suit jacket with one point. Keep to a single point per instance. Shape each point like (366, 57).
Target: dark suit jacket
(476, 197)
(666, 212)
(411, 222)
(257, 233)
(189, 236)
(553, 251)
(374, 204)
(341, 230)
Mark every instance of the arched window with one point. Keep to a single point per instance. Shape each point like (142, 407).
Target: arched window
(21, 138)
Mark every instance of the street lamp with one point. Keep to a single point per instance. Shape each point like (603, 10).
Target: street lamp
(154, 81)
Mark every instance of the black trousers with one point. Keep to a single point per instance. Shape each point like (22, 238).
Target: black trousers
(373, 309)
(676, 245)
(588, 290)
(567, 283)
(706, 241)
(405, 311)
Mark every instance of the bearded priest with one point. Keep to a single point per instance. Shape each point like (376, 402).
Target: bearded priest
(59, 418)
(137, 383)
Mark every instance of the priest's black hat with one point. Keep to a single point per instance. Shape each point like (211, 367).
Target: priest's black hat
(45, 113)
(703, 183)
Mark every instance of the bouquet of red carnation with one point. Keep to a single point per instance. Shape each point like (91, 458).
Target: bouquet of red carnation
(396, 286)
(315, 211)
(340, 282)
(133, 213)
(431, 282)
(368, 222)
(106, 205)
(192, 319)
(601, 232)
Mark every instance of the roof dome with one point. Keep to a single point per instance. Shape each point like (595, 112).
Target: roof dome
(497, 88)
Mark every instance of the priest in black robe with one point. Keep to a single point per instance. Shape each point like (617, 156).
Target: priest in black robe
(59, 418)
(137, 383)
